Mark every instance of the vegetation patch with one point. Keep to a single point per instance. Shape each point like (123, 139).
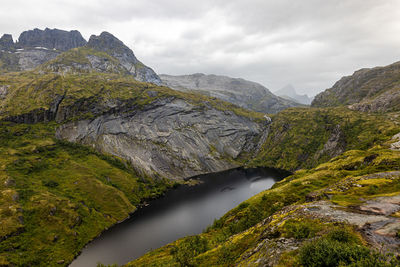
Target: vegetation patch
(61, 194)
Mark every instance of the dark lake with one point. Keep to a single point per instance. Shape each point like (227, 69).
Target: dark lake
(187, 210)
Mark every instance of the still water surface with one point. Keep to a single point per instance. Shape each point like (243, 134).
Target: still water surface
(187, 210)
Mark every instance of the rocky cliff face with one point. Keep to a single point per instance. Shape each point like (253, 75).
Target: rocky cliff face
(51, 39)
(108, 43)
(240, 92)
(170, 137)
(376, 89)
(161, 132)
(36, 47)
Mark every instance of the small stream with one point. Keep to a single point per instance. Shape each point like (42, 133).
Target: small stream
(187, 210)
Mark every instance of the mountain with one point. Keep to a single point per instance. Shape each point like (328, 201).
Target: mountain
(374, 89)
(80, 151)
(238, 91)
(87, 137)
(288, 92)
(36, 47)
(108, 43)
(51, 38)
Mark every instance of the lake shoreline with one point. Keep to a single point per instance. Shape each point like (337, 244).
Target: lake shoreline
(147, 203)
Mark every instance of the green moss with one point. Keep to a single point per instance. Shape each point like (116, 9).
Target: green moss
(67, 195)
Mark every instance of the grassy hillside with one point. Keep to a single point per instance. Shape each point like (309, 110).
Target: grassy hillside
(275, 226)
(90, 94)
(55, 196)
(375, 89)
(305, 137)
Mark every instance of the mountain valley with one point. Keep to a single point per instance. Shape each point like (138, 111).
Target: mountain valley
(89, 134)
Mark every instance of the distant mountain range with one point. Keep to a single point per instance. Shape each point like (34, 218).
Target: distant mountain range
(288, 92)
(246, 94)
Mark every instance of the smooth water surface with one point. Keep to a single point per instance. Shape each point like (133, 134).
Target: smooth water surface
(187, 210)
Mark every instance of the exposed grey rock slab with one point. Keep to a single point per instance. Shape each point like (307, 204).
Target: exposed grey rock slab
(170, 137)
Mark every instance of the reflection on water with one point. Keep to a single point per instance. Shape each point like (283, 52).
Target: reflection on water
(183, 211)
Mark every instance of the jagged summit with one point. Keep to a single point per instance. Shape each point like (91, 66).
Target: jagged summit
(6, 42)
(106, 42)
(289, 92)
(63, 51)
(51, 39)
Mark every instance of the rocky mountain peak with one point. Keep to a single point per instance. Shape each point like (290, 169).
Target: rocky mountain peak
(106, 42)
(6, 42)
(51, 39)
(290, 93)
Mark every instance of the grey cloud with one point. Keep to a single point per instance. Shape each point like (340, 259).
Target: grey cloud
(308, 43)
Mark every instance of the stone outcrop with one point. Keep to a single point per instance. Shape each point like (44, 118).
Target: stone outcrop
(51, 39)
(31, 58)
(247, 94)
(108, 43)
(6, 42)
(89, 61)
(376, 90)
(170, 137)
(3, 91)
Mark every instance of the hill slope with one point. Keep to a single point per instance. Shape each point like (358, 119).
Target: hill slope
(376, 89)
(56, 195)
(249, 95)
(340, 212)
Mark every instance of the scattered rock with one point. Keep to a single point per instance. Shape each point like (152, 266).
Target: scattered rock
(313, 196)
(152, 93)
(395, 145)
(9, 182)
(4, 91)
(15, 197)
(53, 211)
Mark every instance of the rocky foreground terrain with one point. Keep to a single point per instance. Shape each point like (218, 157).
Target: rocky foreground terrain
(246, 94)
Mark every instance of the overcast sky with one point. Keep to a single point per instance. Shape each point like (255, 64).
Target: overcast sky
(307, 43)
